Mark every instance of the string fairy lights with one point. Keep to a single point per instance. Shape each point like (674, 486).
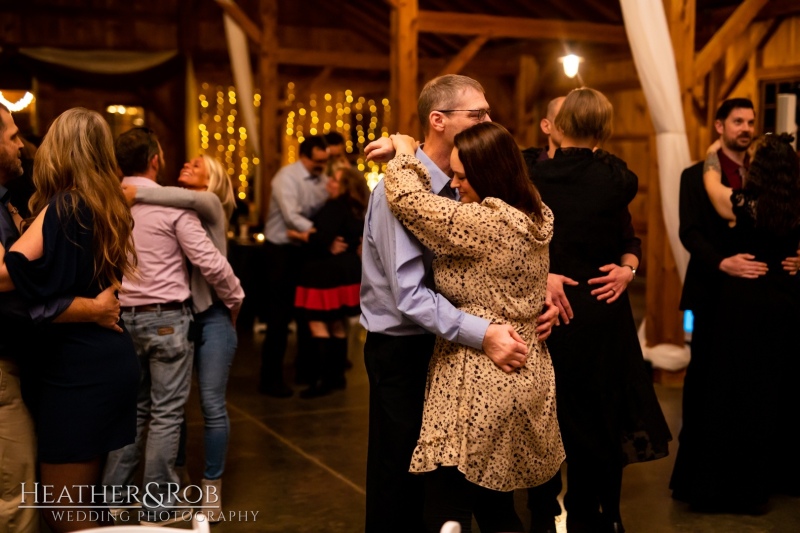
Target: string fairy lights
(19, 105)
(359, 119)
(223, 137)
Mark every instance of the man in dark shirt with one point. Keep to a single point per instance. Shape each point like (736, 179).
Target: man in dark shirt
(17, 319)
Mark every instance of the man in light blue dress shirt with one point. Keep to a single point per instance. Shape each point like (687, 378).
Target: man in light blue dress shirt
(403, 314)
(298, 192)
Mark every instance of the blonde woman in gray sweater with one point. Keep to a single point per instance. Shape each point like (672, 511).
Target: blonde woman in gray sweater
(206, 189)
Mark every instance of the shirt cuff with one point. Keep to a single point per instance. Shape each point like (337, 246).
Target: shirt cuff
(472, 331)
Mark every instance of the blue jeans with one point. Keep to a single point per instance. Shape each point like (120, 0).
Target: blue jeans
(213, 359)
(165, 354)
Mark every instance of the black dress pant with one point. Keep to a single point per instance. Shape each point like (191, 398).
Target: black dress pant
(397, 368)
(283, 265)
(449, 496)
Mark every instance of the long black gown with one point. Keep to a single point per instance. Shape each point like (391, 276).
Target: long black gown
(88, 375)
(607, 408)
(740, 446)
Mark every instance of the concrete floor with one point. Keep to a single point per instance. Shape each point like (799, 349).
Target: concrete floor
(300, 465)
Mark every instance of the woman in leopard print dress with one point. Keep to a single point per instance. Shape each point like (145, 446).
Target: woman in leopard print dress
(483, 428)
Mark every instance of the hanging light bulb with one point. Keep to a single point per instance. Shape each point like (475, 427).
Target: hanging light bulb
(571, 63)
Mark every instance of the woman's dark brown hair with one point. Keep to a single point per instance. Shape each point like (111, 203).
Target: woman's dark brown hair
(354, 187)
(774, 181)
(495, 168)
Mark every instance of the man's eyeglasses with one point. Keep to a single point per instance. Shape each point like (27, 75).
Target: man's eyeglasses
(478, 114)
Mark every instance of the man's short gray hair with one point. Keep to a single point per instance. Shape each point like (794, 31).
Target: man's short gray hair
(443, 93)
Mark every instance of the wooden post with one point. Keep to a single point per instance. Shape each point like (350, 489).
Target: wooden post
(268, 74)
(664, 322)
(405, 66)
(527, 88)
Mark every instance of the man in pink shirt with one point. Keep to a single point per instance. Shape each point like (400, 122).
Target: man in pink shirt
(156, 310)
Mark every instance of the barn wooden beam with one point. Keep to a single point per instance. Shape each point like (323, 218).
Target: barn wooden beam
(466, 54)
(761, 34)
(519, 28)
(526, 91)
(733, 28)
(249, 27)
(268, 78)
(405, 65)
(330, 58)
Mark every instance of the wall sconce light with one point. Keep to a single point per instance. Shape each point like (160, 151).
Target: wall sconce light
(571, 63)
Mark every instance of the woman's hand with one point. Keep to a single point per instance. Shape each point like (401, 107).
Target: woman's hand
(555, 287)
(301, 236)
(614, 282)
(714, 147)
(381, 150)
(130, 194)
(403, 144)
(548, 318)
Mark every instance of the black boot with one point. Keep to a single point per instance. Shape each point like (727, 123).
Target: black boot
(336, 364)
(272, 351)
(317, 369)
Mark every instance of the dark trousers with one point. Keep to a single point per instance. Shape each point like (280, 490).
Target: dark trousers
(283, 265)
(397, 368)
(449, 496)
(543, 502)
(592, 486)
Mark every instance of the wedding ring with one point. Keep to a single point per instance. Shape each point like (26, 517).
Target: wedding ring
(612, 290)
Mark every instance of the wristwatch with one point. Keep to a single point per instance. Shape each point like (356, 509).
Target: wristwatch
(632, 270)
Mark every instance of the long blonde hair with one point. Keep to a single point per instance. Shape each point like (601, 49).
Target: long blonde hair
(77, 156)
(220, 184)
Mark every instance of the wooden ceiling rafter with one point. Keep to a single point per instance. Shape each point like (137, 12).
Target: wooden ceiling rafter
(568, 9)
(734, 27)
(757, 41)
(452, 45)
(358, 16)
(520, 28)
(460, 60)
(604, 10)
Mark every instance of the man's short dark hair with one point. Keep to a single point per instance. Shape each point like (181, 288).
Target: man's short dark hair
(3, 122)
(135, 149)
(729, 105)
(311, 142)
(334, 138)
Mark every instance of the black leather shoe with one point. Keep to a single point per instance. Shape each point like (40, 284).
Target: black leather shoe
(276, 390)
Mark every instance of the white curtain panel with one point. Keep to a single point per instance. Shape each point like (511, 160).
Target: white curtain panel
(243, 80)
(651, 45)
(100, 61)
(649, 38)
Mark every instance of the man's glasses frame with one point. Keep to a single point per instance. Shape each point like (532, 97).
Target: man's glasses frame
(479, 113)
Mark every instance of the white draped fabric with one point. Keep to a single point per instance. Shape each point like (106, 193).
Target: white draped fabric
(243, 80)
(651, 45)
(100, 61)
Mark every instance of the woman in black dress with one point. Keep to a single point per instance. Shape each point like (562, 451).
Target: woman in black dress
(330, 281)
(607, 408)
(78, 244)
(742, 447)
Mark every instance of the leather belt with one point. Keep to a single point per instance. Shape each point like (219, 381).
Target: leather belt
(151, 308)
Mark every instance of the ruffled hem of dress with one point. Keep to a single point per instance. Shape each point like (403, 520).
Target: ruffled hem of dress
(429, 457)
